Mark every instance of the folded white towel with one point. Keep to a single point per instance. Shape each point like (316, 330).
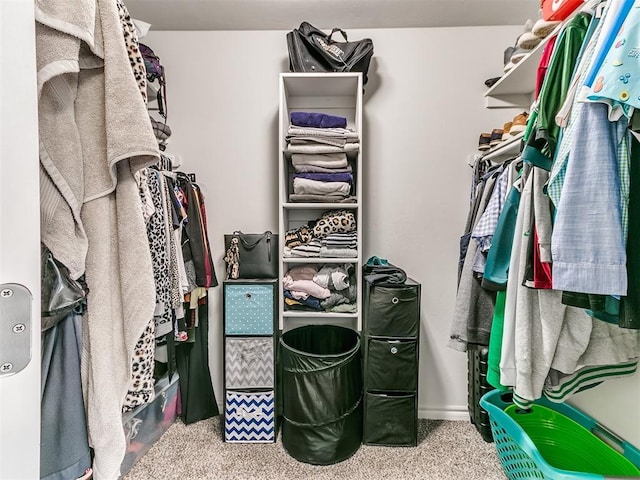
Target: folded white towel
(304, 185)
(326, 160)
(308, 140)
(345, 133)
(319, 148)
(338, 252)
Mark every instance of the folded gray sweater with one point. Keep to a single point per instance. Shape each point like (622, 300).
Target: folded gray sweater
(348, 147)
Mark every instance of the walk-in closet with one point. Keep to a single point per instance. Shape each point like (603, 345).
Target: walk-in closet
(316, 240)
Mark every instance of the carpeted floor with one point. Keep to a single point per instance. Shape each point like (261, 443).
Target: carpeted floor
(446, 451)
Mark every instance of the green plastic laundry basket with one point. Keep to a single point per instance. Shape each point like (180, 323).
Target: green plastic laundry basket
(556, 441)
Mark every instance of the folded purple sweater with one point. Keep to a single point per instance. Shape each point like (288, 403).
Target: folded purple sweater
(317, 119)
(326, 177)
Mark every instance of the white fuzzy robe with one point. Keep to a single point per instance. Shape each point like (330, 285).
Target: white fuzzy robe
(94, 133)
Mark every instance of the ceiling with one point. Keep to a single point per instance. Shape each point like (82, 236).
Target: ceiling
(325, 14)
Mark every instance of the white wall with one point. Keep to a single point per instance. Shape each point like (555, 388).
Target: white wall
(19, 248)
(423, 113)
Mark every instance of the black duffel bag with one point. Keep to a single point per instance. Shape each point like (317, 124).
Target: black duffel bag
(312, 50)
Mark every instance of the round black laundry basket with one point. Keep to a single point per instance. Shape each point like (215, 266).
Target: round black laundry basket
(321, 393)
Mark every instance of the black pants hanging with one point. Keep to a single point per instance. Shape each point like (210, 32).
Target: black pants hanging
(196, 391)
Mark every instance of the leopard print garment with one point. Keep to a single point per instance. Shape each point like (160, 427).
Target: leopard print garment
(133, 48)
(334, 221)
(141, 384)
(176, 291)
(157, 233)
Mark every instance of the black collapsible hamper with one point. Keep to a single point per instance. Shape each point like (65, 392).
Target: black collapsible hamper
(322, 393)
(477, 367)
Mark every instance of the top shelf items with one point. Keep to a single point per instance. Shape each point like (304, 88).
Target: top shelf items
(515, 88)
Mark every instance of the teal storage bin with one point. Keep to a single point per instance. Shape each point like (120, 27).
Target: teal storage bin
(249, 308)
(551, 427)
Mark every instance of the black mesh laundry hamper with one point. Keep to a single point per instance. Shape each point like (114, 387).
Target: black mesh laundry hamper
(322, 393)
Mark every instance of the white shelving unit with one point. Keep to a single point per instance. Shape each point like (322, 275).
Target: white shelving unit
(504, 150)
(335, 94)
(516, 87)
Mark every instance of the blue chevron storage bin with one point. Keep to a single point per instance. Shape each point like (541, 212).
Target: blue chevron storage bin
(249, 362)
(249, 417)
(249, 308)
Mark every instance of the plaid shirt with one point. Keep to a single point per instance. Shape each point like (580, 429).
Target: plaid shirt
(486, 226)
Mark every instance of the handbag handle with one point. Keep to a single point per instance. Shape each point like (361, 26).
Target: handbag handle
(344, 34)
(267, 234)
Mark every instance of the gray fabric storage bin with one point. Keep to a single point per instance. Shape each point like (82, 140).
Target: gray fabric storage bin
(249, 362)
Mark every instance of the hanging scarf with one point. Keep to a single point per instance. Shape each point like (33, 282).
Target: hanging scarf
(232, 258)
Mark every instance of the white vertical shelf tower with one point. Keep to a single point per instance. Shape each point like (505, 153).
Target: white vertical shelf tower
(334, 94)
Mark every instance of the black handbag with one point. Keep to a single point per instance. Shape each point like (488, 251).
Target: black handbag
(312, 50)
(251, 255)
(59, 293)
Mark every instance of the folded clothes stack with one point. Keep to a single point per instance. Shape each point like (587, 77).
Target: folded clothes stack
(333, 235)
(318, 144)
(340, 245)
(327, 287)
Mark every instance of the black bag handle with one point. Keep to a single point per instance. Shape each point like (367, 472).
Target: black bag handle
(248, 245)
(239, 234)
(336, 29)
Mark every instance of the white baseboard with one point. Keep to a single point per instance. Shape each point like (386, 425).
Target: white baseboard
(454, 413)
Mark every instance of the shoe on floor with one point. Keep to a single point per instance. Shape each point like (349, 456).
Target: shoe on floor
(496, 137)
(506, 131)
(542, 28)
(484, 142)
(519, 123)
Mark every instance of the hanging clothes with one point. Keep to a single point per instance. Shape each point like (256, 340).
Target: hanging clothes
(157, 237)
(589, 253)
(197, 398)
(64, 445)
(630, 305)
(541, 143)
(555, 330)
(195, 244)
(87, 95)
